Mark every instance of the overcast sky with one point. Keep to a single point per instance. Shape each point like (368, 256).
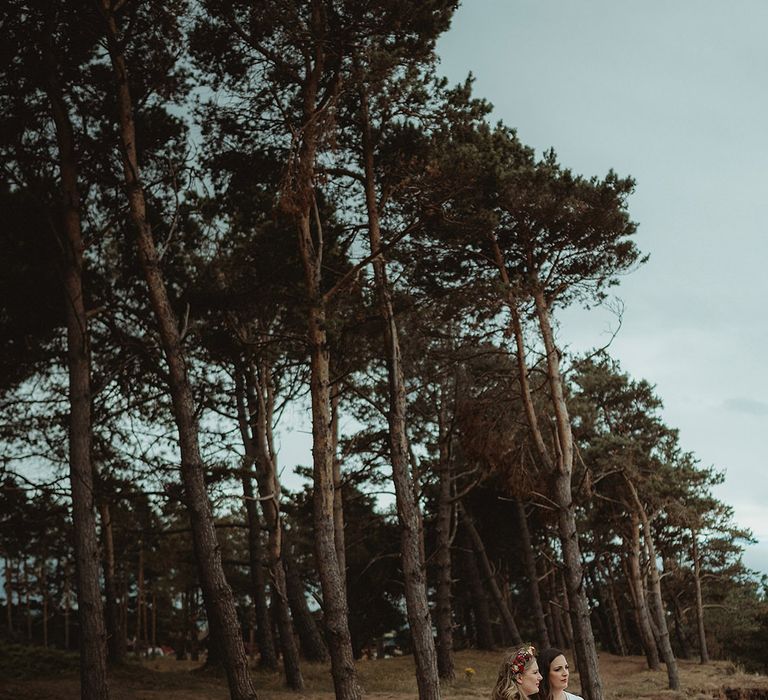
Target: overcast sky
(674, 94)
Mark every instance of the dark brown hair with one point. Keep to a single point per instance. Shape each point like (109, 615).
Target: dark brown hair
(545, 660)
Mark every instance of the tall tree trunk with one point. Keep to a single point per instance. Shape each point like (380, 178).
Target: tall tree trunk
(300, 203)
(478, 597)
(408, 513)
(219, 601)
(338, 502)
(115, 633)
(260, 400)
(561, 468)
(530, 569)
(93, 635)
(444, 609)
(332, 582)
(490, 579)
(584, 641)
(264, 639)
(635, 583)
(311, 640)
(703, 651)
(656, 598)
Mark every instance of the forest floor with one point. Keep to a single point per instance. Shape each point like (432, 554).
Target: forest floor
(393, 679)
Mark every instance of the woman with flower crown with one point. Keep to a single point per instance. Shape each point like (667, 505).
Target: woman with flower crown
(554, 676)
(519, 675)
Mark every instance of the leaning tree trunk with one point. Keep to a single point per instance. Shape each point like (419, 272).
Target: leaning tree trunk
(530, 569)
(703, 651)
(635, 583)
(219, 600)
(93, 636)
(490, 579)
(444, 609)
(260, 400)
(408, 513)
(560, 467)
(116, 633)
(584, 640)
(656, 598)
(264, 639)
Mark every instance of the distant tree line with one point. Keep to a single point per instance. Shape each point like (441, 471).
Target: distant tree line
(214, 212)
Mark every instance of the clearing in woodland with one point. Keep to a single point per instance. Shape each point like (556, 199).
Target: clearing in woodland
(394, 679)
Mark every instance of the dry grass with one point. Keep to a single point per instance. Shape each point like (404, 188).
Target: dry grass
(393, 679)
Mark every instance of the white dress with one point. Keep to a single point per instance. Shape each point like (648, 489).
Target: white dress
(571, 696)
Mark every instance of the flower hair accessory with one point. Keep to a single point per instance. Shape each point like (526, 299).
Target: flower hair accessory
(522, 657)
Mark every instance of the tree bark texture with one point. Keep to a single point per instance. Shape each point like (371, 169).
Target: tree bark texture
(93, 636)
(338, 501)
(218, 597)
(408, 513)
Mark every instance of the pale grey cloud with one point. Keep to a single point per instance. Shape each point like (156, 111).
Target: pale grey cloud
(749, 406)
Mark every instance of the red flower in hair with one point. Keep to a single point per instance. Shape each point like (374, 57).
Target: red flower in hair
(521, 659)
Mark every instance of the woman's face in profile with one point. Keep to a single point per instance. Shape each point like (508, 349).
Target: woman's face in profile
(528, 681)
